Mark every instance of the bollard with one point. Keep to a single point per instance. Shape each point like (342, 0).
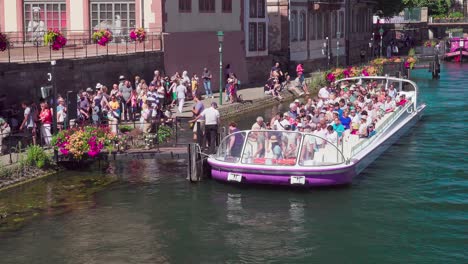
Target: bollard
(195, 163)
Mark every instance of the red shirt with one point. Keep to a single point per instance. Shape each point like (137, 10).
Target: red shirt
(402, 102)
(46, 116)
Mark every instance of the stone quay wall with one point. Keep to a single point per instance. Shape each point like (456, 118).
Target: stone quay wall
(22, 81)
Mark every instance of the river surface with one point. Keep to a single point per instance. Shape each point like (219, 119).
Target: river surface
(410, 206)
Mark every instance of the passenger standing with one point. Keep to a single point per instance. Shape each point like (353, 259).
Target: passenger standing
(28, 122)
(181, 91)
(45, 117)
(199, 127)
(206, 76)
(126, 91)
(212, 121)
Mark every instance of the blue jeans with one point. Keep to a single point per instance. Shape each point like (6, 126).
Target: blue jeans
(207, 85)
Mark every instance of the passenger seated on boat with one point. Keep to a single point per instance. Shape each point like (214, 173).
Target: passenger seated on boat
(370, 130)
(308, 146)
(363, 127)
(290, 142)
(338, 127)
(332, 136)
(255, 145)
(236, 141)
(273, 149)
(402, 100)
(389, 104)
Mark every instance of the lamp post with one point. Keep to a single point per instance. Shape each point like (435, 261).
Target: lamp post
(220, 35)
(326, 51)
(337, 49)
(54, 102)
(381, 31)
(371, 45)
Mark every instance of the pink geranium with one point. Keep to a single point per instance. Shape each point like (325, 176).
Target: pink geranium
(331, 77)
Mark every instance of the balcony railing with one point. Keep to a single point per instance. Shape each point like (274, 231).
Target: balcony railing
(79, 45)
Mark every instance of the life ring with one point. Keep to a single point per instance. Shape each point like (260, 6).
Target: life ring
(409, 110)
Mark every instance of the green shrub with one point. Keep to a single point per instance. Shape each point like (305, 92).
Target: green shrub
(125, 128)
(412, 52)
(36, 156)
(456, 15)
(164, 133)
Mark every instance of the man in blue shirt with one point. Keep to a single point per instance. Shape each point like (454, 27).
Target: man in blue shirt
(345, 120)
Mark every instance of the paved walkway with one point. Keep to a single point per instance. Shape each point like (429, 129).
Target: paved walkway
(247, 94)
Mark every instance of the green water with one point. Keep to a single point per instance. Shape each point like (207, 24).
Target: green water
(410, 206)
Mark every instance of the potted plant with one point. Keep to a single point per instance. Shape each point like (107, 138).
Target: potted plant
(85, 143)
(102, 37)
(55, 39)
(138, 34)
(4, 42)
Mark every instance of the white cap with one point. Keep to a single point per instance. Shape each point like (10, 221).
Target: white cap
(98, 86)
(297, 101)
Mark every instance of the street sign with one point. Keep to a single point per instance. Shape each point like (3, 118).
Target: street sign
(381, 31)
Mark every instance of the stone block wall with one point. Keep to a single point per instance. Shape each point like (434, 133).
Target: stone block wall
(22, 81)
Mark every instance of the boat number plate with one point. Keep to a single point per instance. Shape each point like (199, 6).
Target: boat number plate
(298, 180)
(234, 177)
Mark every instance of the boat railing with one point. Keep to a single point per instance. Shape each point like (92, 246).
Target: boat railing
(382, 127)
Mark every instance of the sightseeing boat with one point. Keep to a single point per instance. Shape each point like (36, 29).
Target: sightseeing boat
(457, 49)
(294, 158)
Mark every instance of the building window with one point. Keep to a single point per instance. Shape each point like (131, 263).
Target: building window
(293, 26)
(302, 26)
(185, 6)
(253, 8)
(227, 6)
(319, 26)
(326, 24)
(252, 36)
(40, 16)
(257, 8)
(261, 36)
(261, 8)
(312, 26)
(342, 23)
(206, 6)
(119, 17)
(257, 36)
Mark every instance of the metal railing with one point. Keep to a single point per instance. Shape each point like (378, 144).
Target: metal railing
(79, 45)
(15, 142)
(382, 127)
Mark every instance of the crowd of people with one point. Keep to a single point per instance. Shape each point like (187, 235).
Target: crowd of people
(279, 81)
(339, 109)
(146, 104)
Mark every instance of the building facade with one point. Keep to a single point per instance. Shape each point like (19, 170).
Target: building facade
(306, 31)
(191, 42)
(26, 19)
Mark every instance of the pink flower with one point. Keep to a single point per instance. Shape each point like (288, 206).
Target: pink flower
(331, 77)
(407, 64)
(64, 151)
(364, 72)
(133, 35)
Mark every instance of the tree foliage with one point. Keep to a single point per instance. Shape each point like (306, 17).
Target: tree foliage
(435, 7)
(389, 8)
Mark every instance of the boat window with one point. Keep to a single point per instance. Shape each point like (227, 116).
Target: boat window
(319, 152)
(276, 148)
(231, 147)
(408, 87)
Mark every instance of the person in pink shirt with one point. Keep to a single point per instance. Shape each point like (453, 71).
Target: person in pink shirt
(300, 72)
(402, 101)
(46, 120)
(134, 103)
